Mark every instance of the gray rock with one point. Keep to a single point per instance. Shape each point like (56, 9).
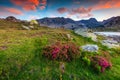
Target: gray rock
(81, 31)
(31, 27)
(26, 27)
(90, 48)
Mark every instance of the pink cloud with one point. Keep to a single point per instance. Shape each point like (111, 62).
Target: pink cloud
(29, 7)
(42, 7)
(33, 17)
(78, 12)
(29, 4)
(107, 4)
(62, 10)
(13, 10)
(84, 16)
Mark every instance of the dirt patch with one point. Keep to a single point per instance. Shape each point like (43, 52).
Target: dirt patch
(3, 47)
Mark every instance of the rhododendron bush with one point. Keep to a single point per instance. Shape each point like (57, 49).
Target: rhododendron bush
(61, 51)
(102, 62)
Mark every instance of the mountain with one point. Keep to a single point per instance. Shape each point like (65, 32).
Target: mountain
(68, 23)
(12, 18)
(91, 23)
(12, 22)
(60, 22)
(112, 22)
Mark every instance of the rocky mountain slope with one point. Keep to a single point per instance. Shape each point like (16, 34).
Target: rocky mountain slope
(109, 24)
(113, 23)
(60, 22)
(91, 23)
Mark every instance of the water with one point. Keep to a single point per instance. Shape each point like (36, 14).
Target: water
(108, 33)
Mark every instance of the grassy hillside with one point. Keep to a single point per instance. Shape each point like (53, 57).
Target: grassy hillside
(21, 57)
(4, 24)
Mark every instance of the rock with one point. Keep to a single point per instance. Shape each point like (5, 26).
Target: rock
(11, 18)
(62, 67)
(110, 43)
(90, 48)
(81, 31)
(84, 32)
(68, 36)
(26, 27)
(33, 22)
(31, 27)
(92, 36)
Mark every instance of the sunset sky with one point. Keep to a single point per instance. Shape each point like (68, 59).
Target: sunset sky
(74, 9)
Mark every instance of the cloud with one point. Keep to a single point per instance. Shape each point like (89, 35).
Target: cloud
(12, 10)
(29, 7)
(25, 2)
(43, 2)
(42, 7)
(80, 12)
(33, 17)
(84, 15)
(30, 4)
(35, 2)
(62, 10)
(107, 4)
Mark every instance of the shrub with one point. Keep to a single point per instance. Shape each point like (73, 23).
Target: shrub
(86, 60)
(100, 62)
(61, 51)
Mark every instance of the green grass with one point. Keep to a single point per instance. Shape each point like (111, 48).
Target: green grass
(21, 57)
(4, 24)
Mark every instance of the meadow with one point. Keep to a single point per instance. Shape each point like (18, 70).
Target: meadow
(21, 57)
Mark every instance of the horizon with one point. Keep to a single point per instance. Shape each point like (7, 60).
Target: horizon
(60, 17)
(73, 9)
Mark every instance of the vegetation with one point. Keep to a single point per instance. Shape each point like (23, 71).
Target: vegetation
(63, 52)
(22, 56)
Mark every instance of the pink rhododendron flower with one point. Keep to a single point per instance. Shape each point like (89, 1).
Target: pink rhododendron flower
(66, 46)
(104, 64)
(55, 51)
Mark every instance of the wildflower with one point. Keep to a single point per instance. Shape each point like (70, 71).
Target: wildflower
(104, 64)
(55, 51)
(66, 46)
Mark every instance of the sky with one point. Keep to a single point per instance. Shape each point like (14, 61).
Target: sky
(74, 9)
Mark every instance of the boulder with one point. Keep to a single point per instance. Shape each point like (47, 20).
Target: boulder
(26, 27)
(33, 22)
(81, 31)
(32, 27)
(84, 32)
(90, 48)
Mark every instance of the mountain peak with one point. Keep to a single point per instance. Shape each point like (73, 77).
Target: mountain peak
(12, 18)
(92, 19)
